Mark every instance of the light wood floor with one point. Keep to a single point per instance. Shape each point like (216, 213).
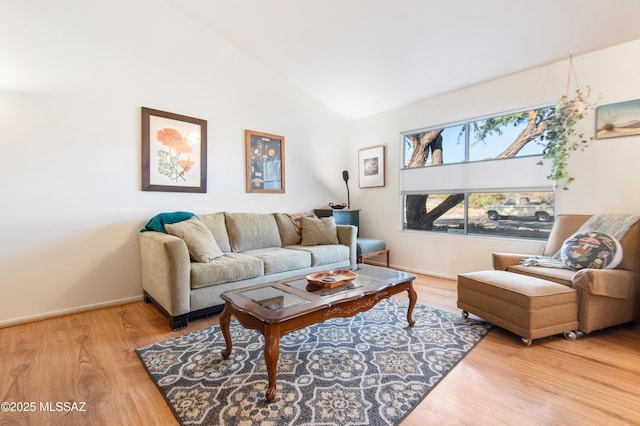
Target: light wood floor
(89, 358)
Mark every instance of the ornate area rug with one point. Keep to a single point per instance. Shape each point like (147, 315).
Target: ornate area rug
(371, 369)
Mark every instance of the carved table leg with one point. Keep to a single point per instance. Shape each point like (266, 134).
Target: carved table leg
(225, 320)
(271, 353)
(413, 298)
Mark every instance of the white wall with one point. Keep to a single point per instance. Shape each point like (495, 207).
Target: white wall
(606, 174)
(73, 77)
(74, 74)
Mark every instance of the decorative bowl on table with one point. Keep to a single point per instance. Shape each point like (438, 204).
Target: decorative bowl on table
(338, 206)
(332, 279)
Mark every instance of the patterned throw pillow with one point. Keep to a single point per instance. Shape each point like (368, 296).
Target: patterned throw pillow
(591, 249)
(296, 218)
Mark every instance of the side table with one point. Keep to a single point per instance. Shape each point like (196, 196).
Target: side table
(342, 216)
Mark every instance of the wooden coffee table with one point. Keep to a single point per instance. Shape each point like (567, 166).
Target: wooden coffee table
(278, 308)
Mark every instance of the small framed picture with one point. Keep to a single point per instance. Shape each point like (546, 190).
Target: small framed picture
(264, 162)
(371, 167)
(174, 152)
(621, 119)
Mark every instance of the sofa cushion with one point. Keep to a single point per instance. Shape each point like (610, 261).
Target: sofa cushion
(290, 226)
(229, 267)
(250, 231)
(325, 254)
(198, 238)
(591, 249)
(557, 275)
(218, 227)
(276, 259)
(319, 231)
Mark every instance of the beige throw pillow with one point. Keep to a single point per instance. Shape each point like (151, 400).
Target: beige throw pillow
(199, 239)
(319, 231)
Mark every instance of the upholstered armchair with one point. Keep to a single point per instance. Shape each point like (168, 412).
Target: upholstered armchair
(606, 297)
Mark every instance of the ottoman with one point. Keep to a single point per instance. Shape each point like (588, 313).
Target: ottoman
(527, 306)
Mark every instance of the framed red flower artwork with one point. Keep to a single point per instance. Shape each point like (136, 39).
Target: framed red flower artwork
(174, 152)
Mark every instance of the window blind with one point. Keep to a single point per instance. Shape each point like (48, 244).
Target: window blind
(500, 175)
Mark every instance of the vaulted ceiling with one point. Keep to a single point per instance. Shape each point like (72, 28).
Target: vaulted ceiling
(361, 57)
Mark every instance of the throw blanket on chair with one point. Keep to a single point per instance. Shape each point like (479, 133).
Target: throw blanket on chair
(545, 261)
(615, 225)
(157, 222)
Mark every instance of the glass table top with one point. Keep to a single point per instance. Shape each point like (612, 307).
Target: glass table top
(273, 298)
(303, 284)
(296, 296)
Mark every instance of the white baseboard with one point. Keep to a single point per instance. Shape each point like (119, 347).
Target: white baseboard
(421, 272)
(414, 271)
(75, 310)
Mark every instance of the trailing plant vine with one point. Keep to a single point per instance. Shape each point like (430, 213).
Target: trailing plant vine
(564, 135)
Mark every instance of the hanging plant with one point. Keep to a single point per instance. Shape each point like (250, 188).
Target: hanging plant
(564, 133)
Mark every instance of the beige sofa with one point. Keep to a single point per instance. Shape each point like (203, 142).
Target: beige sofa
(253, 248)
(538, 301)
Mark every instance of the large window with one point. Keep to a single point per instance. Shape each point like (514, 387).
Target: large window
(479, 177)
(508, 214)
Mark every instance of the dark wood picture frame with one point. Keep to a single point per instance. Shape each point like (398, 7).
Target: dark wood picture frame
(174, 152)
(264, 155)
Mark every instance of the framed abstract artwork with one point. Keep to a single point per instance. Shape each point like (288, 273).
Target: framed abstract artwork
(371, 167)
(174, 152)
(264, 162)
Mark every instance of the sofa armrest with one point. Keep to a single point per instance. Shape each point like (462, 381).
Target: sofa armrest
(501, 261)
(347, 235)
(616, 283)
(166, 268)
